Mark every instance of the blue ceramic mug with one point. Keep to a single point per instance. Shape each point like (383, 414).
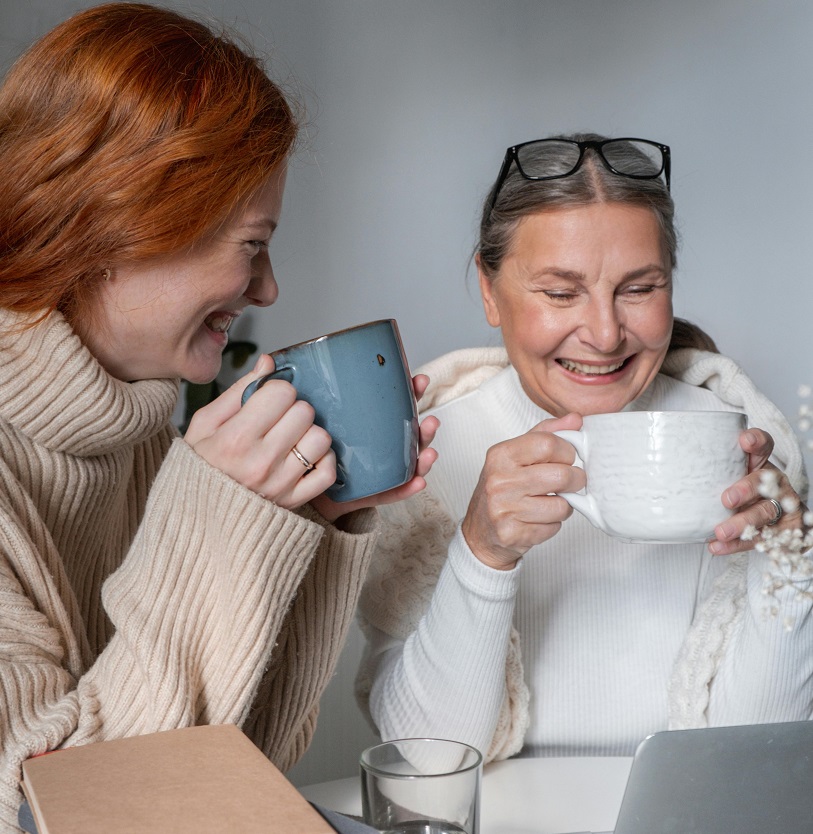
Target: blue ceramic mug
(360, 387)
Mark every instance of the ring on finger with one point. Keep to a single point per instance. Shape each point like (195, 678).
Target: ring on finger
(779, 512)
(304, 461)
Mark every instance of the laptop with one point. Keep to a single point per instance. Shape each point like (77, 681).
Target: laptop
(750, 779)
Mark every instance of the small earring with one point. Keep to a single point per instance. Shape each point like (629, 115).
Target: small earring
(106, 274)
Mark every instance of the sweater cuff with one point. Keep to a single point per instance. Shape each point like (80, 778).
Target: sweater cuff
(357, 523)
(478, 578)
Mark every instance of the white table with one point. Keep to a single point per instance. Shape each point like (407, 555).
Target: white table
(525, 796)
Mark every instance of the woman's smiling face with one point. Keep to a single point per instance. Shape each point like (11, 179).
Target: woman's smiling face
(584, 302)
(170, 318)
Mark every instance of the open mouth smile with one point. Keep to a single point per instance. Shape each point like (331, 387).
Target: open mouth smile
(219, 322)
(592, 369)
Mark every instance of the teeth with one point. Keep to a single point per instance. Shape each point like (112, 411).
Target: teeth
(581, 368)
(219, 322)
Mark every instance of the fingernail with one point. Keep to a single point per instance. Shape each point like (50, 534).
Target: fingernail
(260, 363)
(731, 497)
(751, 437)
(715, 547)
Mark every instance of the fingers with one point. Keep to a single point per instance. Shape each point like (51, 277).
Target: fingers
(294, 466)
(570, 421)
(428, 430)
(206, 420)
(311, 484)
(755, 512)
(536, 446)
(253, 444)
(426, 460)
(758, 444)
(332, 510)
(419, 385)
(514, 505)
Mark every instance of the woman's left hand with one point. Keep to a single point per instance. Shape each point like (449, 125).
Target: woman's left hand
(752, 509)
(331, 510)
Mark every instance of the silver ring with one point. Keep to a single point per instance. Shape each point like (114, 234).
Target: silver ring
(305, 462)
(779, 512)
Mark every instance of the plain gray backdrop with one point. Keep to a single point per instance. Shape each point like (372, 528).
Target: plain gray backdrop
(408, 108)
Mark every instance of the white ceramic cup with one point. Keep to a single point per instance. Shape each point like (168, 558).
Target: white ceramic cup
(658, 476)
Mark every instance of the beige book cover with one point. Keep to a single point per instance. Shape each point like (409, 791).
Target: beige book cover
(189, 781)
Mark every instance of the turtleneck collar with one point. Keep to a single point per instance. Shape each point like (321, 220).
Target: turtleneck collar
(54, 391)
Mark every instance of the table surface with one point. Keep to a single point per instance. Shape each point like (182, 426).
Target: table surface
(525, 796)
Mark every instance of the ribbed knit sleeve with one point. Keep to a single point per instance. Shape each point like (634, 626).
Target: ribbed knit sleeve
(223, 600)
(468, 618)
(428, 599)
(197, 605)
(283, 718)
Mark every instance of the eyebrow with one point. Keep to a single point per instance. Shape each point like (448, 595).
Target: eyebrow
(261, 222)
(573, 275)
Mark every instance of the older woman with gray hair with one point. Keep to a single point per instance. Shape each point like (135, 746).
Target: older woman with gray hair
(493, 614)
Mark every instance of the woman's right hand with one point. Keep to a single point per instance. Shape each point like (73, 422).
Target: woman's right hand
(512, 508)
(252, 444)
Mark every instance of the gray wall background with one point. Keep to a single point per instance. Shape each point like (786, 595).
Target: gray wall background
(409, 107)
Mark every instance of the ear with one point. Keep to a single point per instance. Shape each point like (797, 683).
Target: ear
(487, 294)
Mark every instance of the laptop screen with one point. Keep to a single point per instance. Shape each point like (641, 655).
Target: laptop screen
(751, 779)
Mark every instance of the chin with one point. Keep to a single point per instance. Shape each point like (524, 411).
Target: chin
(201, 373)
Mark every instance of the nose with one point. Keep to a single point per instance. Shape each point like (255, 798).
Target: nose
(602, 327)
(262, 290)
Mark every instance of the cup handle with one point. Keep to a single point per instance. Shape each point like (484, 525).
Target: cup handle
(583, 502)
(286, 372)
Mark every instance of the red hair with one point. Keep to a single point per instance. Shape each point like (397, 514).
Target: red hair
(128, 132)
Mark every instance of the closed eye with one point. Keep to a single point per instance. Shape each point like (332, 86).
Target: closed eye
(560, 295)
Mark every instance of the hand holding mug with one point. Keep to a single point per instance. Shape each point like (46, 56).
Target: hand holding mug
(254, 445)
(513, 508)
(358, 382)
(751, 508)
(332, 510)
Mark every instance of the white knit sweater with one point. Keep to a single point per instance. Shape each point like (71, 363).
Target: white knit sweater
(591, 643)
(140, 588)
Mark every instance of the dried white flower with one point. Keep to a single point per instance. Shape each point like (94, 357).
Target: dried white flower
(768, 484)
(789, 552)
(790, 503)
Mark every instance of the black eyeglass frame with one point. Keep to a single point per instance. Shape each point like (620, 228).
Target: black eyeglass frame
(512, 155)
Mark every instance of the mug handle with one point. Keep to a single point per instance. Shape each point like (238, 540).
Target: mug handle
(286, 372)
(583, 502)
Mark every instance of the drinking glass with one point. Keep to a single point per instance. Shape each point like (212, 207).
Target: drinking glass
(421, 786)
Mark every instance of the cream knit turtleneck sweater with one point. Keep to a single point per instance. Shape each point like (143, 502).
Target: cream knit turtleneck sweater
(141, 589)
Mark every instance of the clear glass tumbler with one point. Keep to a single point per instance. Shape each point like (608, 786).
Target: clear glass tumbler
(422, 786)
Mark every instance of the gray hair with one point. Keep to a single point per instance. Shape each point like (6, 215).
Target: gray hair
(591, 183)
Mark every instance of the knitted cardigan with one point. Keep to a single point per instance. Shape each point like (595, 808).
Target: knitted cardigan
(413, 546)
(142, 589)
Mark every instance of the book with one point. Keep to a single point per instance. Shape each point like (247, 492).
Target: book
(195, 780)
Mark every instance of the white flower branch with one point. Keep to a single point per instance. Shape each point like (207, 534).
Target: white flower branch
(790, 550)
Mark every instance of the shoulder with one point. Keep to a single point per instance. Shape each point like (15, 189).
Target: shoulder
(460, 372)
(669, 393)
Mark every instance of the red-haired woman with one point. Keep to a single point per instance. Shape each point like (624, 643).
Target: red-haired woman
(149, 582)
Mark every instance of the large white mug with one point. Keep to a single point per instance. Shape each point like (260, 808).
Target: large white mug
(658, 476)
